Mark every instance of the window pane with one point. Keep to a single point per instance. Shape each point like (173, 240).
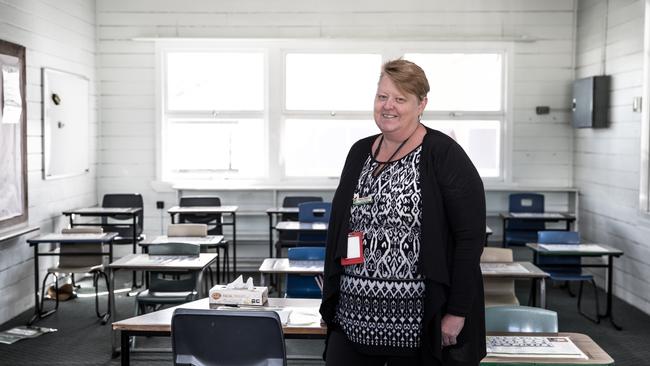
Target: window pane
(462, 81)
(215, 81)
(216, 147)
(331, 82)
(481, 140)
(317, 148)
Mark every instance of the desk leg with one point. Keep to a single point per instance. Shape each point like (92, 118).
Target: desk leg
(125, 348)
(503, 233)
(542, 293)
(610, 289)
(37, 304)
(234, 246)
(113, 312)
(270, 234)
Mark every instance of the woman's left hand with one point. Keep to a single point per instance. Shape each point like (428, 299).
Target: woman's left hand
(450, 328)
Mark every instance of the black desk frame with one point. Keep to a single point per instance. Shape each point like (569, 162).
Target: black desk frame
(505, 217)
(608, 314)
(38, 312)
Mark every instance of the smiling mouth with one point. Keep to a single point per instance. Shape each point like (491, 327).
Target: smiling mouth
(388, 115)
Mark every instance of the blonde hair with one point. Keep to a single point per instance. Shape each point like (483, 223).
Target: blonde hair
(407, 76)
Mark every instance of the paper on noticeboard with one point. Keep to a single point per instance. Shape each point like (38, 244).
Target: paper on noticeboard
(12, 103)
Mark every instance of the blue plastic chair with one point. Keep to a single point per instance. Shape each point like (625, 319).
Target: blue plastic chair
(524, 319)
(566, 267)
(313, 212)
(520, 231)
(288, 239)
(304, 286)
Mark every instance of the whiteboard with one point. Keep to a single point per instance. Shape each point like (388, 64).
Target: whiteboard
(65, 124)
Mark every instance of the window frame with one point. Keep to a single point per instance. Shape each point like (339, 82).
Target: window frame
(275, 113)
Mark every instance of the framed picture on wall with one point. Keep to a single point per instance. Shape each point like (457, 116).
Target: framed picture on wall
(13, 143)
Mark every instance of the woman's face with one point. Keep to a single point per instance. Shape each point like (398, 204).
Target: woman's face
(396, 111)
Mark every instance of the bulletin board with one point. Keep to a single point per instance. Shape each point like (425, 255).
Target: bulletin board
(65, 124)
(13, 135)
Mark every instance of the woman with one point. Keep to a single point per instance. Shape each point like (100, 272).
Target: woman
(412, 200)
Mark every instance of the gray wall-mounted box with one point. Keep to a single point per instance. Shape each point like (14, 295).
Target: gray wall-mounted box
(590, 102)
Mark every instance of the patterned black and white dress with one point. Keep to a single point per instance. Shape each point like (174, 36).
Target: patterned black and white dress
(381, 302)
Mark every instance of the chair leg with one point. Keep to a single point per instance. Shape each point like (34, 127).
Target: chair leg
(56, 288)
(567, 284)
(594, 319)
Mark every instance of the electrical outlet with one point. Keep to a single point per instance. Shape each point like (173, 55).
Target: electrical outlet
(160, 205)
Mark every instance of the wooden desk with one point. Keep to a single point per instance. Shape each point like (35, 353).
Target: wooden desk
(535, 217)
(225, 210)
(158, 323)
(585, 250)
(597, 356)
(519, 270)
(72, 238)
(285, 266)
(205, 242)
(146, 262)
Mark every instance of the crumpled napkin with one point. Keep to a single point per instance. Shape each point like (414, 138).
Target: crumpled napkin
(239, 283)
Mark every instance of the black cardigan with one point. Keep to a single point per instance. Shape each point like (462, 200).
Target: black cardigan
(453, 235)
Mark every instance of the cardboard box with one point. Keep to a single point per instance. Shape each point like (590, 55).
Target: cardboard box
(221, 295)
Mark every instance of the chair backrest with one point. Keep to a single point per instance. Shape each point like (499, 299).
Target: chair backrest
(304, 286)
(498, 290)
(212, 220)
(314, 211)
(559, 237)
(525, 202)
(227, 337)
(491, 254)
(71, 261)
(190, 230)
(124, 200)
(523, 319)
(306, 253)
(173, 281)
(294, 201)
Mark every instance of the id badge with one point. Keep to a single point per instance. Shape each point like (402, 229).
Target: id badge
(355, 249)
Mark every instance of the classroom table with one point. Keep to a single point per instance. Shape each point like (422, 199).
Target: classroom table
(158, 323)
(71, 238)
(567, 218)
(225, 210)
(106, 212)
(585, 250)
(205, 242)
(273, 213)
(146, 262)
(272, 266)
(513, 270)
(519, 270)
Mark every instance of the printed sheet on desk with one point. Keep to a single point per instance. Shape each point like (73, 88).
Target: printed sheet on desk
(533, 346)
(289, 316)
(490, 267)
(573, 247)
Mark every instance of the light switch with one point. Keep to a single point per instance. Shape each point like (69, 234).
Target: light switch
(636, 104)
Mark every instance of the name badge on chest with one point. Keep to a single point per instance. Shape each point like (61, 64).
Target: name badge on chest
(358, 201)
(355, 249)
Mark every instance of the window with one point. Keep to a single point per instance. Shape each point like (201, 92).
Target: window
(469, 88)
(288, 111)
(213, 115)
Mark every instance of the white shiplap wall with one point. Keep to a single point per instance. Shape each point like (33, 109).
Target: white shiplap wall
(58, 35)
(610, 41)
(542, 72)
